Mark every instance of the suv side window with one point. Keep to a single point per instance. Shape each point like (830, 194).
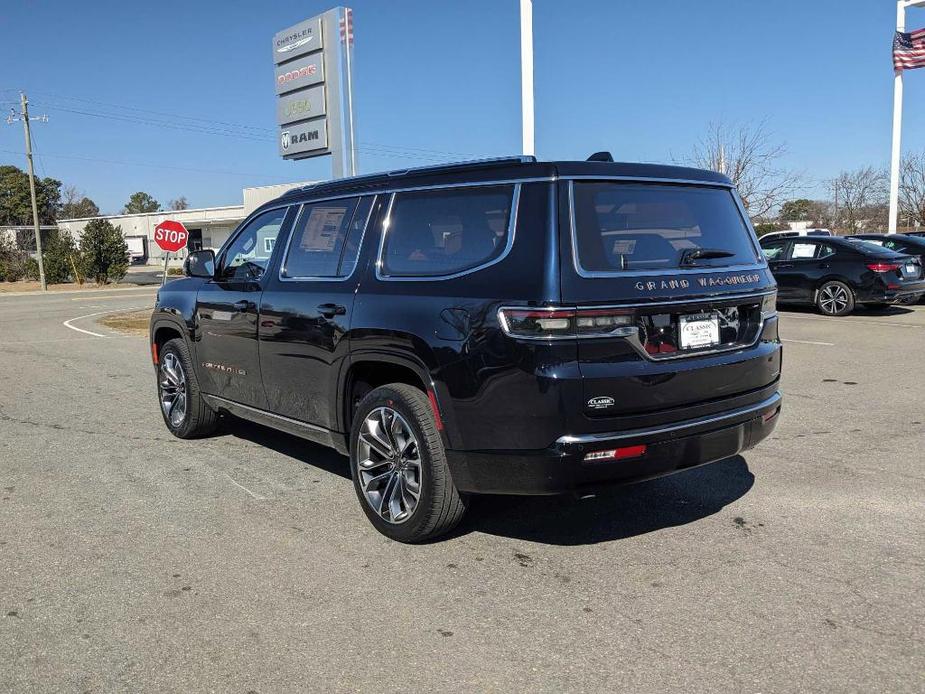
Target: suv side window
(325, 240)
(824, 251)
(434, 233)
(249, 254)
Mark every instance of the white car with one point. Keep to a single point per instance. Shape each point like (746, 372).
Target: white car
(789, 233)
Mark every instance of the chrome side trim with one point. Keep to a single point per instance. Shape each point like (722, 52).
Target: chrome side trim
(589, 274)
(679, 426)
(325, 278)
(385, 189)
(270, 415)
(511, 233)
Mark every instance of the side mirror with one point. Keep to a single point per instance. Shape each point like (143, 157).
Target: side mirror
(200, 264)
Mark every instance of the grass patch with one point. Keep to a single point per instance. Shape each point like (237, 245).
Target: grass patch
(128, 322)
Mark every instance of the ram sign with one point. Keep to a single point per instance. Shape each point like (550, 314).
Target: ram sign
(312, 80)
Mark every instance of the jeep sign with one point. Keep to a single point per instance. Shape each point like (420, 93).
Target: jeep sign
(312, 81)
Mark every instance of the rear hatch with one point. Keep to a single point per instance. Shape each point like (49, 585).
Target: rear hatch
(671, 298)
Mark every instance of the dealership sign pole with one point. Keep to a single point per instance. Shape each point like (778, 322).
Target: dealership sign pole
(314, 89)
(170, 236)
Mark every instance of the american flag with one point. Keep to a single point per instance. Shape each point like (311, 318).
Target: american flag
(909, 49)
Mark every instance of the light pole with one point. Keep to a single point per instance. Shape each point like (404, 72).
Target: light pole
(526, 75)
(901, 6)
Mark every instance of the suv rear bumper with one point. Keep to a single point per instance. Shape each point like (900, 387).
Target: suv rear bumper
(669, 448)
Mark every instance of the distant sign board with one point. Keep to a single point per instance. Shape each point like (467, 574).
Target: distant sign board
(312, 80)
(170, 236)
(301, 138)
(302, 72)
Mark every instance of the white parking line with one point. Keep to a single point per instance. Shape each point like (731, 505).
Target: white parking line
(810, 342)
(67, 323)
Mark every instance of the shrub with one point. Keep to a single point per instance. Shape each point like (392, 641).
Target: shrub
(13, 261)
(60, 256)
(103, 252)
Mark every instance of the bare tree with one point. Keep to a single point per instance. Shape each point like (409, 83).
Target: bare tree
(748, 155)
(179, 204)
(860, 199)
(75, 204)
(912, 189)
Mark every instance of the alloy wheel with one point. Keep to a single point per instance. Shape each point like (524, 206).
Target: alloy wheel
(834, 299)
(172, 384)
(389, 465)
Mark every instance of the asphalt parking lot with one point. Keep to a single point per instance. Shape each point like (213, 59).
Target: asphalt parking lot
(132, 561)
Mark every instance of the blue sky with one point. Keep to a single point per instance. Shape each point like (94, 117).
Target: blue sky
(440, 80)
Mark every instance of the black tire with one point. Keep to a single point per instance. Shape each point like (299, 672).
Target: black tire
(198, 418)
(835, 298)
(439, 506)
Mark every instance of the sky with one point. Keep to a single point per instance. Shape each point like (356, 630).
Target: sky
(176, 97)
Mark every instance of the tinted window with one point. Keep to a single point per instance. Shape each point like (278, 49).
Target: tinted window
(319, 246)
(773, 250)
(442, 232)
(634, 227)
(248, 255)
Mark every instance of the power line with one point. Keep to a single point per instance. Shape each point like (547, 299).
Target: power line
(148, 165)
(218, 127)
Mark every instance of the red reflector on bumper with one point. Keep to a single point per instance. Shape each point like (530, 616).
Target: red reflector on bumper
(617, 453)
(154, 353)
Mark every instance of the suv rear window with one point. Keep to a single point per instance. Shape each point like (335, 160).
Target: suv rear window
(435, 233)
(629, 226)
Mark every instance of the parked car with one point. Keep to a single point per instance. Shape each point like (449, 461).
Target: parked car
(793, 233)
(503, 327)
(901, 243)
(836, 274)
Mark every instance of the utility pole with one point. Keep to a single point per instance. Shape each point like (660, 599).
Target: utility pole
(24, 117)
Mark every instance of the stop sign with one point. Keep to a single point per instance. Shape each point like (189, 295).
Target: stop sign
(170, 236)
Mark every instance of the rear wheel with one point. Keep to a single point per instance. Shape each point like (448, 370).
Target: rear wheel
(185, 413)
(835, 299)
(399, 466)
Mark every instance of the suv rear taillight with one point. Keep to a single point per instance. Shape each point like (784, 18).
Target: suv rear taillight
(882, 267)
(769, 305)
(563, 323)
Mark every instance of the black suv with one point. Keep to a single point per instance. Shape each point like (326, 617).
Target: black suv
(505, 326)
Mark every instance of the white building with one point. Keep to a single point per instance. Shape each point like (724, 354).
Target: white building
(208, 227)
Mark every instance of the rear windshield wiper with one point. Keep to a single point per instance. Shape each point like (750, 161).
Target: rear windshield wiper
(691, 255)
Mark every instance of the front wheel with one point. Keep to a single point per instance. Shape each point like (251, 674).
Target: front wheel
(185, 412)
(835, 299)
(399, 467)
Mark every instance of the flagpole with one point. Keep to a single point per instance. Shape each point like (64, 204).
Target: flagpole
(897, 126)
(896, 158)
(526, 76)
